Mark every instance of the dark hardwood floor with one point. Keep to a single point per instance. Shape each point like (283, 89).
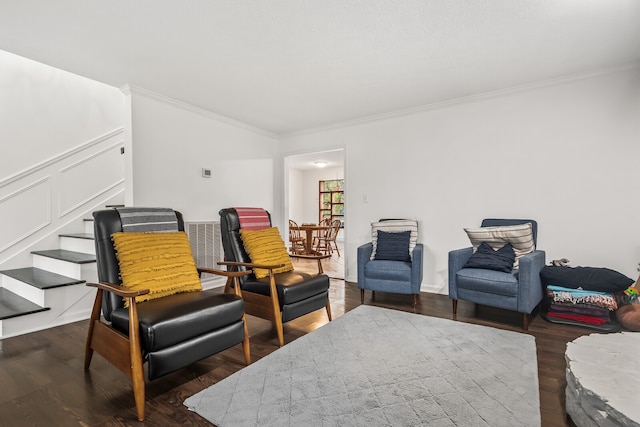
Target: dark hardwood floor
(43, 382)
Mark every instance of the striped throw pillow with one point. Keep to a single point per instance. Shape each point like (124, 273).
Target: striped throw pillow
(520, 237)
(394, 226)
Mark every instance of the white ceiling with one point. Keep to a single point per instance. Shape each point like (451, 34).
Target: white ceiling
(331, 159)
(290, 65)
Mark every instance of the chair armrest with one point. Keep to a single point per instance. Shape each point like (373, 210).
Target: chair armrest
(124, 293)
(529, 283)
(321, 256)
(416, 267)
(249, 265)
(118, 290)
(457, 259)
(364, 255)
(232, 277)
(225, 273)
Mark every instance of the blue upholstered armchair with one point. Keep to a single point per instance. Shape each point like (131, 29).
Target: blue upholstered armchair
(519, 290)
(395, 276)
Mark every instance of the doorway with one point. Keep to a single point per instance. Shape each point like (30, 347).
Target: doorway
(303, 174)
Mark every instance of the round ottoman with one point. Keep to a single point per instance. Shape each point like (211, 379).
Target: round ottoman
(603, 379)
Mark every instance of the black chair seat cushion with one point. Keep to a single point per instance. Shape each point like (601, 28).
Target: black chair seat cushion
(293, 286)
(177, 318)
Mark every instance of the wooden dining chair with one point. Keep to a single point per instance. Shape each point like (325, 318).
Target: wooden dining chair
(317, 235)
(326, 242)
(337, 225)
(297, 243)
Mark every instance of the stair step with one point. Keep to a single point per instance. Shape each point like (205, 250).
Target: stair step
(65, 255)
(87, 236)
(12, 305)
(41, 279)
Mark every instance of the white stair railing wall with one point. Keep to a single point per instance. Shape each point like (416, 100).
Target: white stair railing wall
(53, 196)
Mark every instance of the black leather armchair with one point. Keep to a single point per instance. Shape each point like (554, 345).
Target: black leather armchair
(167, 333)
(280, 297)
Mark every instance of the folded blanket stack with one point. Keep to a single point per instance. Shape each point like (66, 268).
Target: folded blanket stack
(588, 307)
(583, 296)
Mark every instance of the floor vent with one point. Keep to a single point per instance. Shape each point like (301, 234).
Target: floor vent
(206, 245)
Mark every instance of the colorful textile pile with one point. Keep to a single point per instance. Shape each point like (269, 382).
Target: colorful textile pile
(578, 305)
(630, 295)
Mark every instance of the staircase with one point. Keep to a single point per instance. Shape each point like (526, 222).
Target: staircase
(53, 291)
(43, 207)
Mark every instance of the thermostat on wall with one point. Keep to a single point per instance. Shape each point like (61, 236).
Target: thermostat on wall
(206, 173)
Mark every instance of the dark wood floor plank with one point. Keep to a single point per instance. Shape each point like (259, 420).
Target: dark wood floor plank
(43, 381)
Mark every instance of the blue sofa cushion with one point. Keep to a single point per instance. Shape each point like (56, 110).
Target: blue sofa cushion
(488, 281)
(393, 246)
(388, 270)
(489, 259)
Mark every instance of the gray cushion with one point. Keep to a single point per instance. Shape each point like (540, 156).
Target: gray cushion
(393, 246)
(488, 258)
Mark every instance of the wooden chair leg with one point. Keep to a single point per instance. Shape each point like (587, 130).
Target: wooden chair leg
(415, 300)
(455, 309)
(137, 372)
(95, 316)
(275, 305)
(525, 321)
(246, 347)
(361, 296)
(279, 330)
(328, 307)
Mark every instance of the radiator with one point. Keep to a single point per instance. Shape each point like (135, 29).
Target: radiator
(206, 245)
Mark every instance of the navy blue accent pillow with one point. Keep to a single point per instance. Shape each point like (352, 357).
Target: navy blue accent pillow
(489, 259)
(588, 278)
(393, 246)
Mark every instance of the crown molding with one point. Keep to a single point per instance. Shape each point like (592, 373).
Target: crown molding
(129, 89)
(458, 101)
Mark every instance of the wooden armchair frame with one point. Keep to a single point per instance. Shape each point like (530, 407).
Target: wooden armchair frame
(267, 306)
(125, 352)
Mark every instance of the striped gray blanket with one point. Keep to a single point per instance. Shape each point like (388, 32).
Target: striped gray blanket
(148, 219)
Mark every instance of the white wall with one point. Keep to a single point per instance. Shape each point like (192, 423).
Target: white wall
(170, 144)
(45, 111)
(60, 140)
(564, 154)
(296, 195)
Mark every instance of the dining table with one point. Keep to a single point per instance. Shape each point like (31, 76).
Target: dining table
(309, 229)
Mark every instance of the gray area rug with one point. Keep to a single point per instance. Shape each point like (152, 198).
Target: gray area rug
(380, 367)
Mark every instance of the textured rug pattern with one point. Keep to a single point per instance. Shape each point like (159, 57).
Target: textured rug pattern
(379, 367)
